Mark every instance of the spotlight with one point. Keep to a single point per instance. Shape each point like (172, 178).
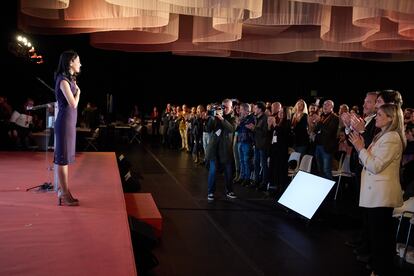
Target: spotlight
(25, 49)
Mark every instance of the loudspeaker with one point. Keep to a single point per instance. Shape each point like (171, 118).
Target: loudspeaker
(143, 242)
(130, 183)
(123, 164)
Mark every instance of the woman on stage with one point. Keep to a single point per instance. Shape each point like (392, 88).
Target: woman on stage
(67, 94)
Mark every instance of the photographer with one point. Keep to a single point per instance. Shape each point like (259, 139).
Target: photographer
(221, 126)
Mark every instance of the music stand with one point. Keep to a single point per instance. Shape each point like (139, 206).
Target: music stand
(46, 186)
(306, 193)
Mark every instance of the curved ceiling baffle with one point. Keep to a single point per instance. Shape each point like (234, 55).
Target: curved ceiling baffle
(204, 21)
(298, 28)
(287, 30)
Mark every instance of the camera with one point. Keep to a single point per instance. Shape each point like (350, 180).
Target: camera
(215, 110)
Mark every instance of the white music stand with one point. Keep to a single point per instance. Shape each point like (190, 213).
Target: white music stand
(305, 193)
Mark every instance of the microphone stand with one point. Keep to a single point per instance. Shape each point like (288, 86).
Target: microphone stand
(45, 84)
(47, 186)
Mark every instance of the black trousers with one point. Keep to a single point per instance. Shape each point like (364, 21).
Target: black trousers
(382, 239)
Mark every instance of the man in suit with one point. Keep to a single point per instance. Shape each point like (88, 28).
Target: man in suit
(325, 139)
(366, 127)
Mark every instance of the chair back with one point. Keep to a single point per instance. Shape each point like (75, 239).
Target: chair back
(306, 163)
(95, 134)
(344, 164)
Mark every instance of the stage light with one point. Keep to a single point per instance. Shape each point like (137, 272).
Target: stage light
(24, 48)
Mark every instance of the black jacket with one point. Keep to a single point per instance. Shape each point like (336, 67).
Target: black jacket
(261, 133)
(220, 147)
(326, 131)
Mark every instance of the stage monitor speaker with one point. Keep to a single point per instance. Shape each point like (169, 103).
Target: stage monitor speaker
(130, 183)
(305, 193)
(123, 164)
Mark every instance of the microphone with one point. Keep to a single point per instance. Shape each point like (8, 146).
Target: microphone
(29, 107)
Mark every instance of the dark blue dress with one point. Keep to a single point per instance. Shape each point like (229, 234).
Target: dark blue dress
(65, 125)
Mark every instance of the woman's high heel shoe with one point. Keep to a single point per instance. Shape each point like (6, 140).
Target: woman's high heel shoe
(66, 200)
(71, 197)
(59, 193)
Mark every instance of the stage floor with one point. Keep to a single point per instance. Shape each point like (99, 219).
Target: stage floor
(38, 237)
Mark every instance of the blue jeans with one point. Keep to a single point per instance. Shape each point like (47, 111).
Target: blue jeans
(206, 139)
(245, 151)
(228, 173)
(236, 156)
(260, 166)
(324, 160)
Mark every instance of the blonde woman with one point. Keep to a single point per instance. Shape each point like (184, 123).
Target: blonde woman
(299, 125)
(380, 184)
(182, 126)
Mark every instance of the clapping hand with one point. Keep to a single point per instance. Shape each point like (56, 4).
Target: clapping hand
(357, 123)
(250, 126)
(357, 140)
(346, 119)
(315, 119)
(271, 121)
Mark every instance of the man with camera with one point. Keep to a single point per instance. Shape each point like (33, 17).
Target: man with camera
(221, 126)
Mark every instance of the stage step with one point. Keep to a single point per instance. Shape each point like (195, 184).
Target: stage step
(142, 206)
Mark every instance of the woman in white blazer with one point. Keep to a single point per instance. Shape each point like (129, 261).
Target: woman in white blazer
(380, 183)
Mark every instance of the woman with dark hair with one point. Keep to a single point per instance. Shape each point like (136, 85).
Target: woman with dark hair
(389, 96)
(278, 165)
(67, 94)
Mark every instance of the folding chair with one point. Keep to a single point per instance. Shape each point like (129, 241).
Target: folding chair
(306, 163)
(343, 170)
(137, 135)
(407, 241)
(92, 140)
